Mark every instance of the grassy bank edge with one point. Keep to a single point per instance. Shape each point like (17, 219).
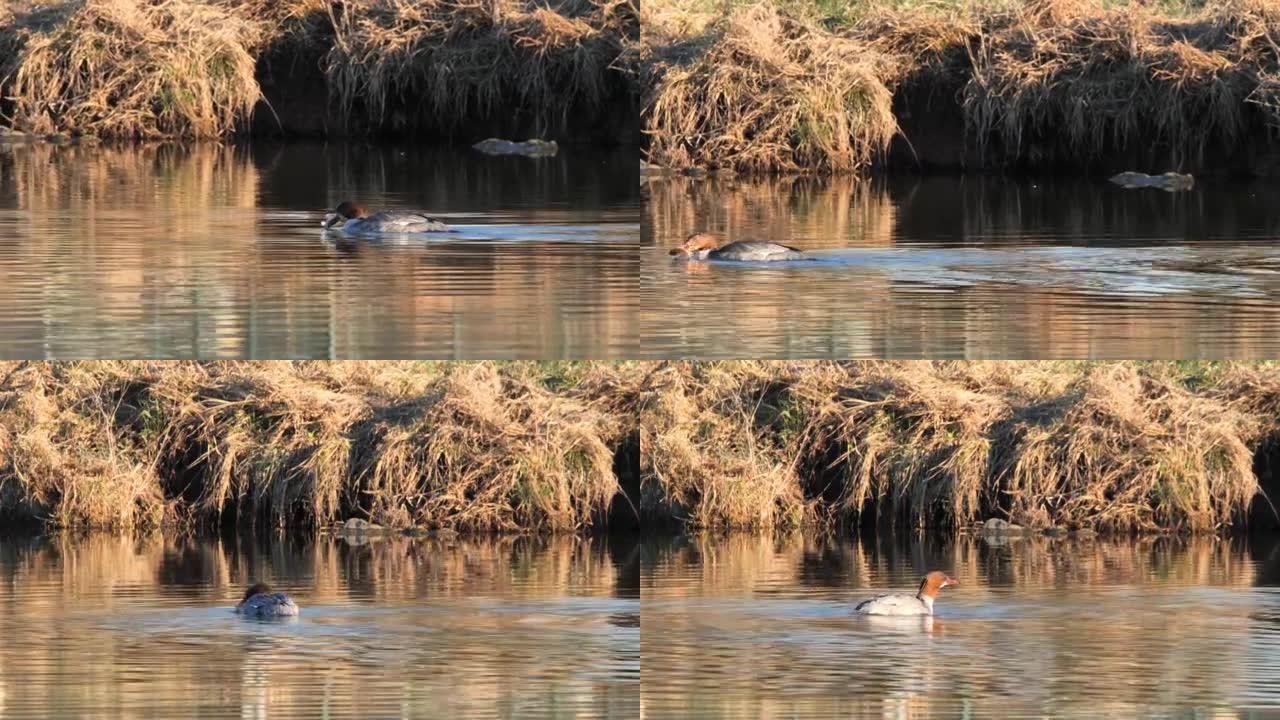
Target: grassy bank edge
(763, 87)
(506, 447)
(145, 69)
(1113, 447)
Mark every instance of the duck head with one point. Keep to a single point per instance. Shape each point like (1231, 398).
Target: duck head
(255, 589)
(697, 245)
(935, 581)
(346, 210)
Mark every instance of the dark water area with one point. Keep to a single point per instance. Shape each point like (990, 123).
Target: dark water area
(977, 267)
(216, 251)
(122, 627)
(750, 626)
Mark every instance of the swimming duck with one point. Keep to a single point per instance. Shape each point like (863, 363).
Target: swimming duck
(702, 246)
(350, 217)
(902, 604)
(260, 601)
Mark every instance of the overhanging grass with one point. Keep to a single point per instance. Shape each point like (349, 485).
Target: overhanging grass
(454, 59)
(126, 68)
(777, 86)
(764, 91)
(471, 446)
(1120, 446)
(188, 68)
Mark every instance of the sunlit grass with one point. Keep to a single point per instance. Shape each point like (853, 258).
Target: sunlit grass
(188, 68)
(1124, 446)
(483, 446)
(729, 80)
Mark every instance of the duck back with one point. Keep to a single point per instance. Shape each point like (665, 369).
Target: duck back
(895, 604)
(756, 250)
(275, 604)
(401, 222)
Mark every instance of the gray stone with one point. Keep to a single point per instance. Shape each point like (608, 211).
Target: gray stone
(528, 148)
(356, 526)
(996, 526)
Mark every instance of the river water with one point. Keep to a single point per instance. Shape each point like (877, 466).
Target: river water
(946, 267)
(123, 627)
(216, 251)
(762, 626)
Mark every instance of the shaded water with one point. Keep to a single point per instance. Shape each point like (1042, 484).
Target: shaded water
(214, 251)
(117, 627)
(761, 627)
(965, 268)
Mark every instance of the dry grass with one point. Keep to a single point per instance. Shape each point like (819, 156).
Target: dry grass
(763, 91)
(1116, 446)
(187, 68)
(134, 68)
(1075, 81)
(1087, 80)
(471, 446)
(455, 59)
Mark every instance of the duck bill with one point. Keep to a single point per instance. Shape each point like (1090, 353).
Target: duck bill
(950, 581)
(329, 221)
(677, 251)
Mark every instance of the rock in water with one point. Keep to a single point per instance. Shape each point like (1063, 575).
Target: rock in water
(996, 526)
(528, 148)
(356, 525)
(1169, 182)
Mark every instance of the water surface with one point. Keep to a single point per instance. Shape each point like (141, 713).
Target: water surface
(120, 627)
(213, 251)
(945, 267)
(752, 626)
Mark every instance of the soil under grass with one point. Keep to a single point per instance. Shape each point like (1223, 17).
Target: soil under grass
(458, 69)
(467, 446)
(1044, 85)
(1126, 447)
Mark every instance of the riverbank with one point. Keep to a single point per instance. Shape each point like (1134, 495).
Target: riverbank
(436, 69)
(1127, 447)
(504, 447)
(974, 85)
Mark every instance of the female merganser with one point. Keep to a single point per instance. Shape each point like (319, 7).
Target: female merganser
(701, 246)
(902, 604)
(260, 601)
(355, 219)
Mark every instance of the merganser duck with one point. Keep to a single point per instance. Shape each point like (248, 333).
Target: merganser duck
(352, 218)
(902, 604)
(702, 246)
(260, 601)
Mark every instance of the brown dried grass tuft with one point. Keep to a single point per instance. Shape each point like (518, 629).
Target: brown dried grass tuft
(138, 68)
(471, 446)
(186, 68)
(455, 59)
(1119, 446)
(1045, 81)
(764, 91)
(1086, 79)
(700, 461)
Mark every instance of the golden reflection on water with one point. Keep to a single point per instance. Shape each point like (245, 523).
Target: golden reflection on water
(761, 627)
(216, 251)
(796, 211)
(110, 626)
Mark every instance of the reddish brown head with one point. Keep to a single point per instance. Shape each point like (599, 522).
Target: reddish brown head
(935, 581)
(254, 589)
(346, 210)
(696, 243)
(349, 210)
